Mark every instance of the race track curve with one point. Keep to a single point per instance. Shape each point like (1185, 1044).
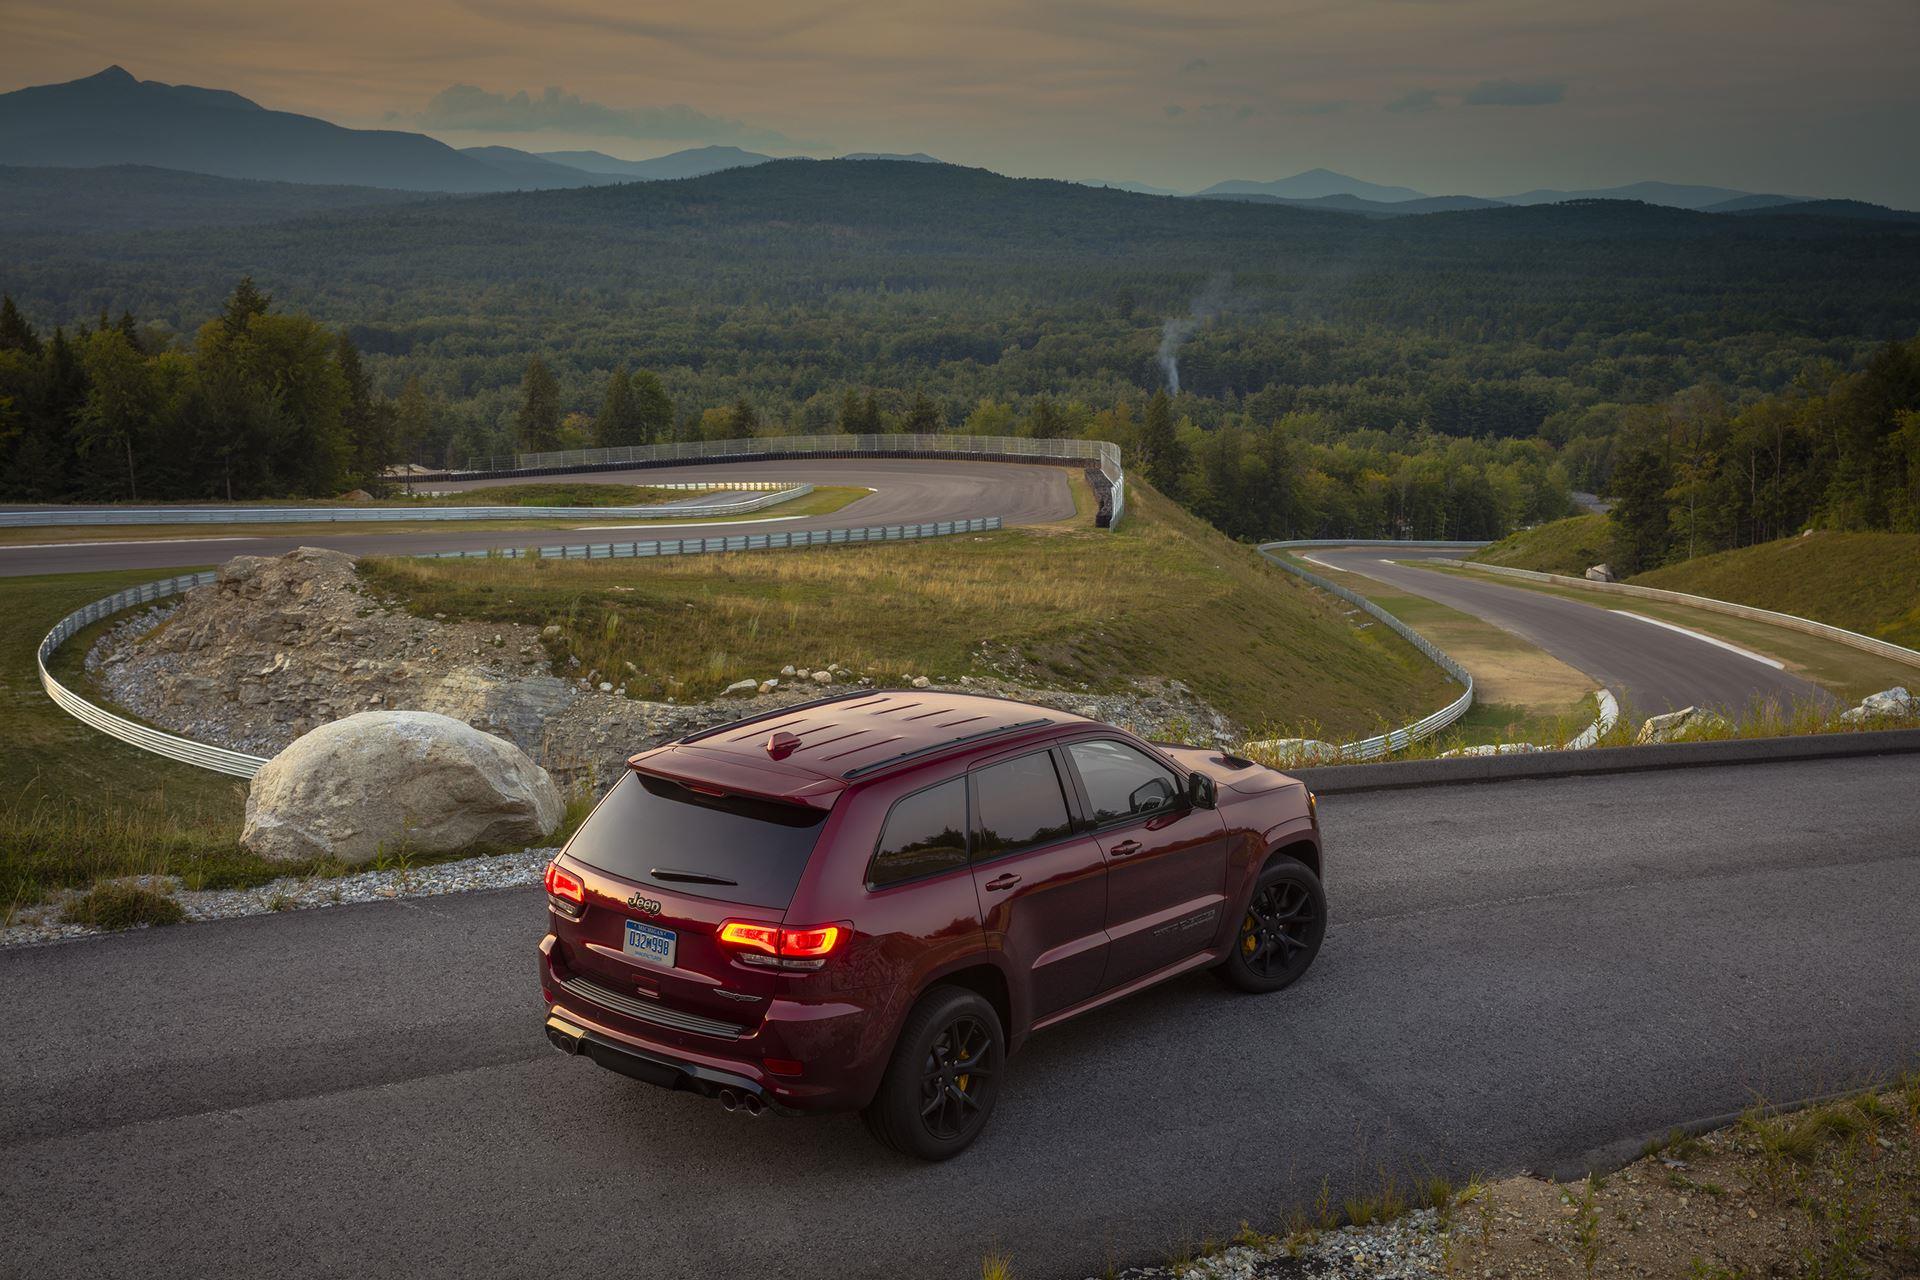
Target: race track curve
(906, 491)
(1650, 669)
(1518, 975)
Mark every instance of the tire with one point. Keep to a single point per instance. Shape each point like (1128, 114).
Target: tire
(1281, 932)
(927, 1106)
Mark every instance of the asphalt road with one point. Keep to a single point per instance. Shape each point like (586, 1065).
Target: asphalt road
(906, 491)
(1518, 974)
(1649, 668)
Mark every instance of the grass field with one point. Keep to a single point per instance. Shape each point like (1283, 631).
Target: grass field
(824, 500)
(1569, 546)
(1865, 582)
(1164, 595)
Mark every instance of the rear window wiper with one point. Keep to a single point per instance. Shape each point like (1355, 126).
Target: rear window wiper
(689, 877)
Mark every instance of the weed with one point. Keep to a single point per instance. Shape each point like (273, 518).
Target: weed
(1586, 1225)
(123, 906)
(996, 1266)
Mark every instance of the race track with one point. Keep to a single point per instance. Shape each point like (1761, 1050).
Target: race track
(1650, 669)
(1518, 975)
(906, 491)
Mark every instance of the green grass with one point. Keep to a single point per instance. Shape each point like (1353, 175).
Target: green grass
(1057, 605)
(552, 494)
(1865, 582)
(1569, 546)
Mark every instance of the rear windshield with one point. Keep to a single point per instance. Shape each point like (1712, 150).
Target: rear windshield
(726, 847)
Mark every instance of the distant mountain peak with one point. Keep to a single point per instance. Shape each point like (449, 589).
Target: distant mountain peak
(1314, 184)
(115, 74)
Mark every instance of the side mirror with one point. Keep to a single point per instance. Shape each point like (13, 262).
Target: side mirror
(1200, 791)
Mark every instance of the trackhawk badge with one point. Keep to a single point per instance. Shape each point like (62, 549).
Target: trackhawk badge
(646, 906)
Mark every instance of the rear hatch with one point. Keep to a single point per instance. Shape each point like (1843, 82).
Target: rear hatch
(664, 865)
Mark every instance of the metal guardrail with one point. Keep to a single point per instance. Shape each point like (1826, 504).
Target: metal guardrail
(1397, 739)
(350, 515)
(234, 763)
(782, 540)
(1100, 455)
(1792, 622)
(239, 764)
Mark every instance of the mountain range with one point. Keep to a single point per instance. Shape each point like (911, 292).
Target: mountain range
(113, 119)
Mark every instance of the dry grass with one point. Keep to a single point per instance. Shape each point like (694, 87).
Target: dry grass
(1164, 595)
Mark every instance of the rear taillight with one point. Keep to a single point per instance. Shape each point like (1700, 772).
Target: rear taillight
(777, 947)
(566, 893)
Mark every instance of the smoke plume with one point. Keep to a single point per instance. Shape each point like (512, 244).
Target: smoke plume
(1209, 302)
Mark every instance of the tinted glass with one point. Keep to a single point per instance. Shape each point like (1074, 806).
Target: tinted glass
(1021, 805)
(725, 847)
(925, 833)
(1121, 782)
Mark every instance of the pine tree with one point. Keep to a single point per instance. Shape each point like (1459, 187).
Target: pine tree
(536, 426)
(15, 333)
(246, 302)
(924, 418)
(1642, 532)
(1046, 421)
(1161, 456)
(652, 408)
(744, 420)
(617, 424)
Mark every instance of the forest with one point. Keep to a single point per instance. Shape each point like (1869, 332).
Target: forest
(1450, 374)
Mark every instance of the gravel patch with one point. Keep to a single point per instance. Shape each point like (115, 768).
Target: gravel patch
(42, 922)
(1409, 1247)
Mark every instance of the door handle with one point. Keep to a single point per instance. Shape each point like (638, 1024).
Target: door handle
(1000, 882)
(1125, 849)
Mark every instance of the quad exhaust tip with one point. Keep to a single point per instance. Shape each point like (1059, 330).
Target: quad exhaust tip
(564, 1035)
(741, 1103)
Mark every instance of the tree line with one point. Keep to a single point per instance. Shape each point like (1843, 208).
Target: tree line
(1704, 472)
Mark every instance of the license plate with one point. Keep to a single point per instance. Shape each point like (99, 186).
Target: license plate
(651, 944)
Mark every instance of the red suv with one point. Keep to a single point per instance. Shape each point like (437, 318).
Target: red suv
(868, 902)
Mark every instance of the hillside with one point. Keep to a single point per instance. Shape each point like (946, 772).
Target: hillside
(1046, 607)
(113, 119)
(791, 281)
(1569, 546)
(140, 198)
(1865, 582)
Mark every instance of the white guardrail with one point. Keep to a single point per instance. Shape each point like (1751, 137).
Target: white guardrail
(64, 516)
(1099, 454)
(235, 763)
(238, 764)
(1792, 622)
(1381, 744)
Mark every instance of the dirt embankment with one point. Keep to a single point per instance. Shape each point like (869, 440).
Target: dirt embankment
(282, 644)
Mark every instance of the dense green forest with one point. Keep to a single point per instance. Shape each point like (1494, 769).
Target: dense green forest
(1444, 374)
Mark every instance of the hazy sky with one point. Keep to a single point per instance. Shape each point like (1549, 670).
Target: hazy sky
(1490, 97)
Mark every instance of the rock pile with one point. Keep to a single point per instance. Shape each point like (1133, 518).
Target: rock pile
(1889, 704)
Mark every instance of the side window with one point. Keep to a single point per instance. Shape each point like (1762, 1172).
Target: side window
(1121, 782)
(926, 832)
(1021, 805)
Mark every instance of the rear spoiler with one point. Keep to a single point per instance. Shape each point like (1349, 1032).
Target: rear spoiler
(725, 774)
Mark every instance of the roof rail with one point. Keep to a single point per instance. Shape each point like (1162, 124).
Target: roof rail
(776, 713)
(937, 747)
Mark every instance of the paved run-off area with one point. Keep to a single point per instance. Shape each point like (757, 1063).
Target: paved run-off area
(1517, 974)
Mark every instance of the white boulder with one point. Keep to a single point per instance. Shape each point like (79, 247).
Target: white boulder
(397, 780)
(742, 689)
(1894, 703)
(1491, 749)
(1678, 726)
(1601, 573)
(1294, 750)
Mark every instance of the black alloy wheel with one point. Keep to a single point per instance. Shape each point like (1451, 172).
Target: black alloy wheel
(941, 1085)
(1282, 930)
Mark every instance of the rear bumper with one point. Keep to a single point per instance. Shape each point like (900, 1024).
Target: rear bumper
(831, 1042)
(566, 1034)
